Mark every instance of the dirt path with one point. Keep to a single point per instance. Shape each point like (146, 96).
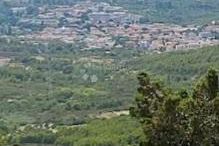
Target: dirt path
(109, 115)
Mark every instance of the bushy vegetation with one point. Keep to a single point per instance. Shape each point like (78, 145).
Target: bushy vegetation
(182, 118)
(44, 81)
(3, 134)
(35, 136)
(3, 140)
(121, 131)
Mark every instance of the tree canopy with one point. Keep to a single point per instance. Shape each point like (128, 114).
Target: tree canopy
(178, 118)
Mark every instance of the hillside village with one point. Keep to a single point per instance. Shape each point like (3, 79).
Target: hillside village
(109, 72)
(102, 26)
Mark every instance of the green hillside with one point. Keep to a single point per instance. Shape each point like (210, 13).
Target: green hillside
(43, 82)
(172, 11)
(121, 131)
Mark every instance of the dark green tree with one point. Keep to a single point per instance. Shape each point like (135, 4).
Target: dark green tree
(207, 87)
(178, 119)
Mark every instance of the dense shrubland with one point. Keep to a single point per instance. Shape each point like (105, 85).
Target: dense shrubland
(122, 131)
(43, 81)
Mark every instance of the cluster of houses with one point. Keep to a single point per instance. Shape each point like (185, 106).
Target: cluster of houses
(102, 26)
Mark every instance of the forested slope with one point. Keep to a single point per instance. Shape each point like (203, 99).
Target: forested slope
(172, 11)
(42, 82)
(188, 116)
